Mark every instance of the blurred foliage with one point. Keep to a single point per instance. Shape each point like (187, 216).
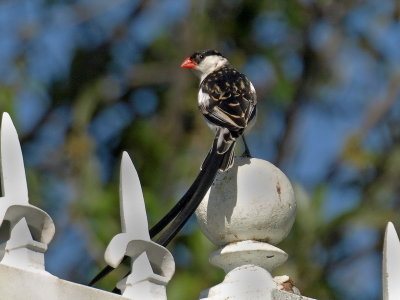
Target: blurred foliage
(86, 80)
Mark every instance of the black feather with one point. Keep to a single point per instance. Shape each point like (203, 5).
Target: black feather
(232, 101)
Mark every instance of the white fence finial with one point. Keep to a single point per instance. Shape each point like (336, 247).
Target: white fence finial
(152, 264)
(247, 211)
(30, 229)
(391, 264)
(12, 164)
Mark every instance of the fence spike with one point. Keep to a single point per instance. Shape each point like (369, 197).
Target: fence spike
(133, 211)
(28, 230)
(12, 164)
(152, 264)
(391, 264)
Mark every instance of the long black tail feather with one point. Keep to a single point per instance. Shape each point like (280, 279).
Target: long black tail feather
(103, 273)
(185, 207)
(160, 225)
(208, 173)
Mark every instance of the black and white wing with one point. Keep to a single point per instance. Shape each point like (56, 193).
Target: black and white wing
(227, 99)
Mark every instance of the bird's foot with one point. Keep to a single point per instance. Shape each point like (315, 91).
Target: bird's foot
(246, 153)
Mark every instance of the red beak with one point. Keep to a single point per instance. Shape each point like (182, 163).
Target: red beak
(188, 63)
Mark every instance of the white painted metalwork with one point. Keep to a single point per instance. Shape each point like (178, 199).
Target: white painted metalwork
(153, 265)
(391, 264)
(248, 210)
(28, 229)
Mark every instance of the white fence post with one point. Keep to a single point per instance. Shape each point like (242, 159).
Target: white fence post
(391, 264)
(152, 264)
(28, 229)
(247, 211)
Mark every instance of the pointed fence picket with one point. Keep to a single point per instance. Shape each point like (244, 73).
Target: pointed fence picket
(391, 264)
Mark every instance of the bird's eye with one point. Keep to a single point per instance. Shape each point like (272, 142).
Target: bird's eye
(201, 56)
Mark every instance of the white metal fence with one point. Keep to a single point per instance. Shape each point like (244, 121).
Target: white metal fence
(26, 231)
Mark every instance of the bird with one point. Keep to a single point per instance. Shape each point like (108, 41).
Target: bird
(227, 100)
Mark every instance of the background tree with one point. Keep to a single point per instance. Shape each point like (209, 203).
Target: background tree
(86, 79)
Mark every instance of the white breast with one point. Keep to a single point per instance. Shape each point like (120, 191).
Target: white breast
(203, 98)
(204, 101)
